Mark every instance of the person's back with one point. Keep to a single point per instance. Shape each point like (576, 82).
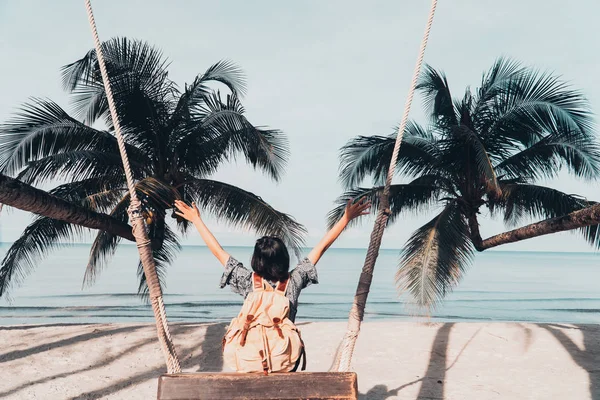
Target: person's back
(263, 336)
(271, 261)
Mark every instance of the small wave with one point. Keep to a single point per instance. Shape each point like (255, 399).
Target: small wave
(576, 310)
(205, 304)
(77, 308)
(104, 316)
(520, 300)
(433, 317)
(86, 295)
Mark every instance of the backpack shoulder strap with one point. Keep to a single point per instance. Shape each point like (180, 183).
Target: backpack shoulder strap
(259, 284)
(282, 287)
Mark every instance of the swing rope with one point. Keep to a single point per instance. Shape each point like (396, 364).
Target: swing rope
(346, 349)
(135, 216)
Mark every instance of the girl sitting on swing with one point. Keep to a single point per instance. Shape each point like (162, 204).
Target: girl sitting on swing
(263, 337)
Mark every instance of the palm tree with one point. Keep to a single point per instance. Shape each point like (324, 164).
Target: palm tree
(488, 149)
(176, 139)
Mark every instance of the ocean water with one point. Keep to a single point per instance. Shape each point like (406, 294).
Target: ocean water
(499, 286)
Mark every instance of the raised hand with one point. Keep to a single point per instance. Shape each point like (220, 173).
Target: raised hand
(355, 210)
(192, 213)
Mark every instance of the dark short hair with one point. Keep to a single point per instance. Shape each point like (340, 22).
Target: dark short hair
(271, 259)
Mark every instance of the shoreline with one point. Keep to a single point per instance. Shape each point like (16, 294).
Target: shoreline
(149, 320)
(393, 359)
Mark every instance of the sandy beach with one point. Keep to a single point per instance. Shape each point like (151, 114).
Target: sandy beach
(394, 360)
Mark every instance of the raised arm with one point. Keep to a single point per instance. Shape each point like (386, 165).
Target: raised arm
(353, 210)
(192, 214)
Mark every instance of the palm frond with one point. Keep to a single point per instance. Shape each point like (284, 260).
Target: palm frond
(103, 249)
(99, 193)
(247, 210)
(435, 258)
(521, 201)
(437, 97)
(102, 201)
(44, 129)
(196, 93)
(415, 196)
(77, 165)
(38, 239)
(591, 233)
(105, 244)
(480, 157)
(224, 131)
(371, 155)
(161, 194)
(229, 74)
(190, 106)
(533, 104)
(494, 82)
(544, 159)
(133, 66)
(142, 92)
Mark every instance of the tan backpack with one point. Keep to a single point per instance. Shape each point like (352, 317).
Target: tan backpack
(262, 338)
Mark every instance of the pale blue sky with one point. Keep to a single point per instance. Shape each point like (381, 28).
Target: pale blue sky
(322, 71)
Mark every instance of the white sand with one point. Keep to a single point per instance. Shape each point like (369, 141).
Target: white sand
(394, 360)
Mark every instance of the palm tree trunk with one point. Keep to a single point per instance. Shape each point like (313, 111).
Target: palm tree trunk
(19, 195)
(475, 233)
(346, 349)
(577, 219)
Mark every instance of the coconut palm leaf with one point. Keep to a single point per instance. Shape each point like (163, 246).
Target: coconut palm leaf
(478, 156)
(223, 132)
(99, 193)
(247, 210)
(532, 105)
(190, 109)
(437, 97)
(159, 193)
(196, 93)
(142, 92)
(547, 157)
(435, 257)
(39, 238)
(44, 234)
(42, 129)
(105, 244)
(493, 84)
(528, 201)
(369, 156)
(134, 68)
(522, 202)
(415, 196)
(77, 165)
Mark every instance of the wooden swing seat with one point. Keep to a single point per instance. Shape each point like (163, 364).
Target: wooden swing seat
(237, 386)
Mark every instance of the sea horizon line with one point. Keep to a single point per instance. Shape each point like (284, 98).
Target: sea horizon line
(78, 244)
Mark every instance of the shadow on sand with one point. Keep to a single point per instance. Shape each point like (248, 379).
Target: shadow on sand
(205, 355)
(588, 359)
(432, 384)
(199, 353)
